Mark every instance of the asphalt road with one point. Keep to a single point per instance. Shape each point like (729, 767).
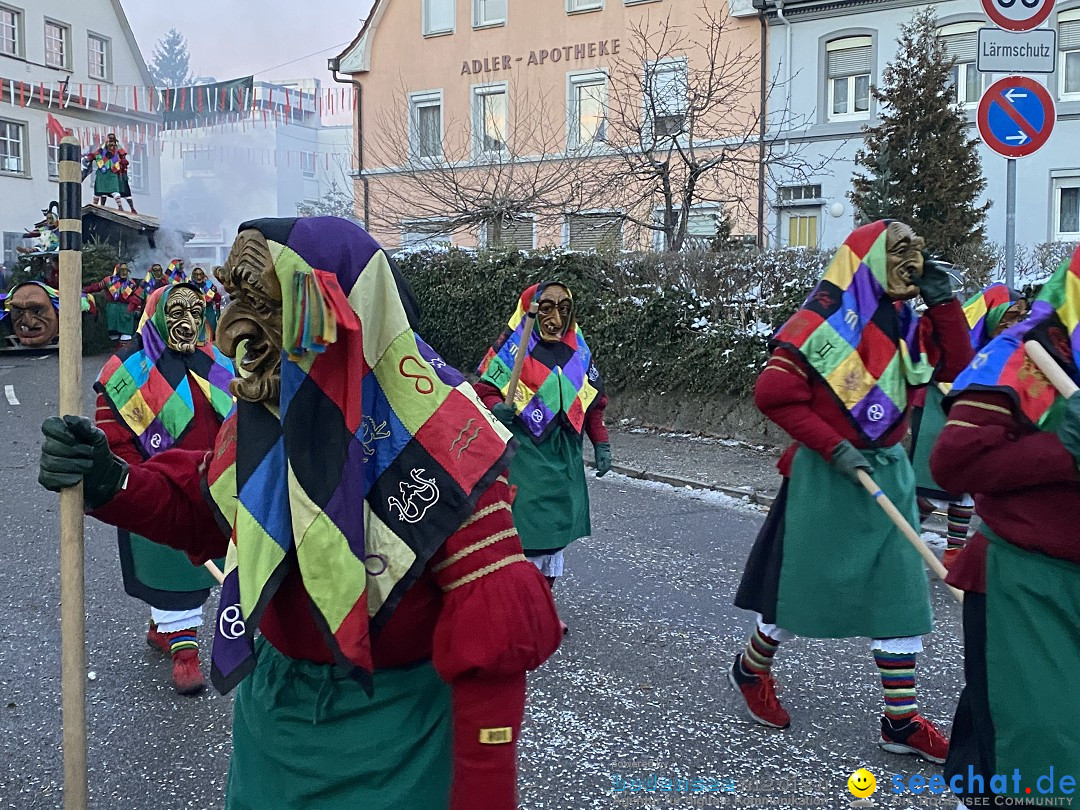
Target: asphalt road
(638, 688)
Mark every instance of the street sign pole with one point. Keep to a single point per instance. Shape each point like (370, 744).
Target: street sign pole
(1010, 221)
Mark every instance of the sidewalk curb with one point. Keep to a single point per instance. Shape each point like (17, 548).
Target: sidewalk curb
(759, 498)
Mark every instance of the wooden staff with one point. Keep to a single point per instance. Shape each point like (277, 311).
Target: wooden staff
(215, 572)
(523, 349)
(1050, 369)
(901, 523)
(72, 584)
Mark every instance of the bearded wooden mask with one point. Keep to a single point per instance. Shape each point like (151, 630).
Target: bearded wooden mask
(252, 320)
(33, 316)
(904, 261)
(185, 311)
(556, 310)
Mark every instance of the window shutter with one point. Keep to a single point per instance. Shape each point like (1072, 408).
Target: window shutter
(1069, 35)
(517, 233)
(851, 61)
(593, 231)
(962, 47)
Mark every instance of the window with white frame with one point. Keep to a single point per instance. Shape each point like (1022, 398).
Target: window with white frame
(97, 49)
(438, 16)
(797, 195)
(583, 5)
(1067, 209)
(425, 125)
(961, 45)
(518, 232)
(1069, 43)
(802, 227)
(850, 66)
(12, 147)
(666, 97)
(52, 154)
(489, 12)
(490, 118)
(420, 232)
(137, 167)
(588, 108)
(594, 231)
(701, 226)
(10, 33)
(57, 44)
(307, 164)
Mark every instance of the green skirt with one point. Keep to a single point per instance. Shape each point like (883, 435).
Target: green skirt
(847, 570)
(1033, 663)
(924, 435)
(551, 503)
(118, 319)
(307, 737)
(162, 577)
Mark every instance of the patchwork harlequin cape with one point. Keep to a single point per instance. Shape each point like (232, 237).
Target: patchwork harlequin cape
(119, 288)
(374, 455)
(984, 311)
(1003, 365)
(175, 272)
(559, 380)
(862, 344)
(148, 385)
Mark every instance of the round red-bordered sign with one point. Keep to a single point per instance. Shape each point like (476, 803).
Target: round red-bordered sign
(1016, 116)
(1018, 15)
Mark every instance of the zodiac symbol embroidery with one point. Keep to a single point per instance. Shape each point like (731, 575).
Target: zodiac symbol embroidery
(537, 415)
(231, 622)
(371, 433)
(851, 381)
(876, 412)
(137, 413)
(1028, 375)
(980, 360)
(593, 373)
(379, 558)
(416, 498)
(422, 383)
(824, 350)
(823, 299)
(468, 440)
(155, 441)
(121, 385)
(437, 362)
(851, 318)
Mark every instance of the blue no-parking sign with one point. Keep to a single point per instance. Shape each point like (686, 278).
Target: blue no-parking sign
(1016, 116)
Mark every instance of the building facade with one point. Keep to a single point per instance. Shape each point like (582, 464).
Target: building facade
(517, 107)
(831, 53)
(79, 62)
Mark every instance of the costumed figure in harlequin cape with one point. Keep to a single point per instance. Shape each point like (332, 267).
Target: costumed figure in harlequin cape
(175, 272)
(109, 165)
(34, 309)
(828, 562)
(211, 297)
(123, 299)
(155, 278)
(170, 388)
(1014, 443)
(559, 398)
(45, 233)
(988, 314)
(359, 493)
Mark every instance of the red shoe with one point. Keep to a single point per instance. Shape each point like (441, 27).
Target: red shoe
(919, 736)
(187, 677)
(950, 555)
(759, 692)
(157, 639)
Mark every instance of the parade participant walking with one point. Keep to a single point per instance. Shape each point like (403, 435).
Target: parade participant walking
(360, 492)
(109, 165)
(558, 398)
(988, 314)
(154, 278)
(211, 297)
(829, 563)
(122, 300)
(1014, 442)
(175, 273)
(170, 388)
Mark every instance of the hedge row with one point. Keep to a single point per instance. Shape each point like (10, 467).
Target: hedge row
(698, 323)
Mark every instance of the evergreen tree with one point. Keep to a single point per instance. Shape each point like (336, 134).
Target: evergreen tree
(169, 66)
(336, 202)
(920, 164)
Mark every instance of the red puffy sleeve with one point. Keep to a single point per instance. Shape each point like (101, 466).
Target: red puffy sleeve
(595, 427)
(949, 340)
(121, 440)
(783, 393)
(497, 621)
(488, 393)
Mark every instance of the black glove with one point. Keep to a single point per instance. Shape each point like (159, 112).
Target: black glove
(1069, 429)
(848, 461)
(504, 413)
(934, 284)
(602, 456)
(74, 451)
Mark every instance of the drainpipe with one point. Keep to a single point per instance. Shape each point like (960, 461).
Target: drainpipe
(333, 65)
(760, 5)
(788, 74)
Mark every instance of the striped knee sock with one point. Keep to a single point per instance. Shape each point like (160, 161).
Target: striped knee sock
(959, 520)
(758, 656)
(898, 680)
(182, 640)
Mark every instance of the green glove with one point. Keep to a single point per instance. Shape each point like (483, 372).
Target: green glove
(934, 284)
(504, 413)
(1069, 429)
(74, 451)
(848, 461)
(602, 456)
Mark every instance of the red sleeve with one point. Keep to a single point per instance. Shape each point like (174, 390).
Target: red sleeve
(950, 340)
(489, 394)
(594, 421)
(784, 395)
(985, 450)
(97, 286)
(163, 501)
(121, 440)
(498, 620)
